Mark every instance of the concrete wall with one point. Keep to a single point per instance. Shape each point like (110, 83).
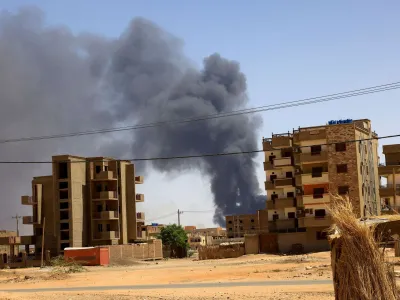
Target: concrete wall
(307, 239)
(125, 253)
(251, 243)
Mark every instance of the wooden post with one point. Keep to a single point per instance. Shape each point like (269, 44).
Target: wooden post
(397, 248)
(335, 257)
(44, 225)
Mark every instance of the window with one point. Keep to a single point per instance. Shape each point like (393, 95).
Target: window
(98, 188)
(38, 231)
(342, 168)
(290, 194)
(98, 169)
(63, 194)
(64, 205)
(106, 168)
(64, 215)
(289, 174)
(274, 197)
(240, 221)
(316, 150)
(64, 245)
(275, 217)
(64, 226)
(252, 220)
(320, 213)
(316, 172)
(62, 170)
(108, 227)
(229, 222)
(291, 215)
(318, 193)
(253, 228)
(63, 185)
(100, 227)
(340, 147)
(64, 236)
(321, 235)
(309, 211)
(343, 190)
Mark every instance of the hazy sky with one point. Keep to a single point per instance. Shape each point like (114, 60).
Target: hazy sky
(289, 50)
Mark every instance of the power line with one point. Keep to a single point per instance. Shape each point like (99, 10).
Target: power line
(200, 155)
(326, 98)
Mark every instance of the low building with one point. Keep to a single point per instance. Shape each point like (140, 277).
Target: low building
(7, 248)
(390, 172)
(150, 232)
(239, 225)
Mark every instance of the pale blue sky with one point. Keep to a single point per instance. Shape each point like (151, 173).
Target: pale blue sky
(289, 50)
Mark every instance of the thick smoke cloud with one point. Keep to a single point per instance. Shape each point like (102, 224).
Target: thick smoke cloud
(52, 81)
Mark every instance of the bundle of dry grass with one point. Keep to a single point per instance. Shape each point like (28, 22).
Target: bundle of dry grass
(358, 265)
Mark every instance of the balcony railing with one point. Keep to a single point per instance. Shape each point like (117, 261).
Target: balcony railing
(283, 161)
(314, 157)
(106, 235)
(105, 175)
(315, 178)
(317, 198)
(107, 195)
(280, 203)
(139, 179)
(325, 221)
(280, 141)
(105, 215)
(139, 198)
(268, 166)
(281, 225)
(140, 217)
(281, 182)
(310, 135)
(27, 200)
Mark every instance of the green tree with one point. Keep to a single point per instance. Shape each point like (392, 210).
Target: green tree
(174, 236)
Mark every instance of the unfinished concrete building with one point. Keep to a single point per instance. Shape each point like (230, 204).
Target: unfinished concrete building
(84, 202)
(389, 171)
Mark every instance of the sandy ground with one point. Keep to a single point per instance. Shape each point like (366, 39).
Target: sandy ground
(242, 269)
(246, 268)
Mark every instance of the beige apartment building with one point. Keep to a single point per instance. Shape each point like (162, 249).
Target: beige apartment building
(390, 172)
(84, 202)
(304, 167)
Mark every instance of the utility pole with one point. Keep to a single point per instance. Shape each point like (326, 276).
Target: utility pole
(179, 217)
(17, 218)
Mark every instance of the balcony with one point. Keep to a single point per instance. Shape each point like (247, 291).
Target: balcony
(282, 225)
(389, 190)
(310, 135)
(311, 199)
(267, 145)
(106, 235)
(384, 170)
(282, 162)
(29, 220)
(280, 203)
(282, 182)
(140, 217)
(139, 179)
(309, 158)
(105, 215)
(282, 141)
(278, 183)
(315, 178)
(268, 166)
(107, 195)
(315, 222)
(105, 175)
(27, 200)
(139, 197)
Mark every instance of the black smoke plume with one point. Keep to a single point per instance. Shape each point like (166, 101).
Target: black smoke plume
(53, 81)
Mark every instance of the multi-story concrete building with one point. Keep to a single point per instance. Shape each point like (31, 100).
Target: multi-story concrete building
(239, 225)
(85, 202)
(390, 172)
(150, 231)
(304, 167)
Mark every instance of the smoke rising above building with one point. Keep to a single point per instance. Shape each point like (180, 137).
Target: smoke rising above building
(53, 81)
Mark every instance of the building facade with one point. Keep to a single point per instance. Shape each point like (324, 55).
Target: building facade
(85, 202)
(390, 172)
(149, 232)
(304, 168)
(239, 225)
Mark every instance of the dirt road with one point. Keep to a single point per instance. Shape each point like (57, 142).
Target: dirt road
(255, 276)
